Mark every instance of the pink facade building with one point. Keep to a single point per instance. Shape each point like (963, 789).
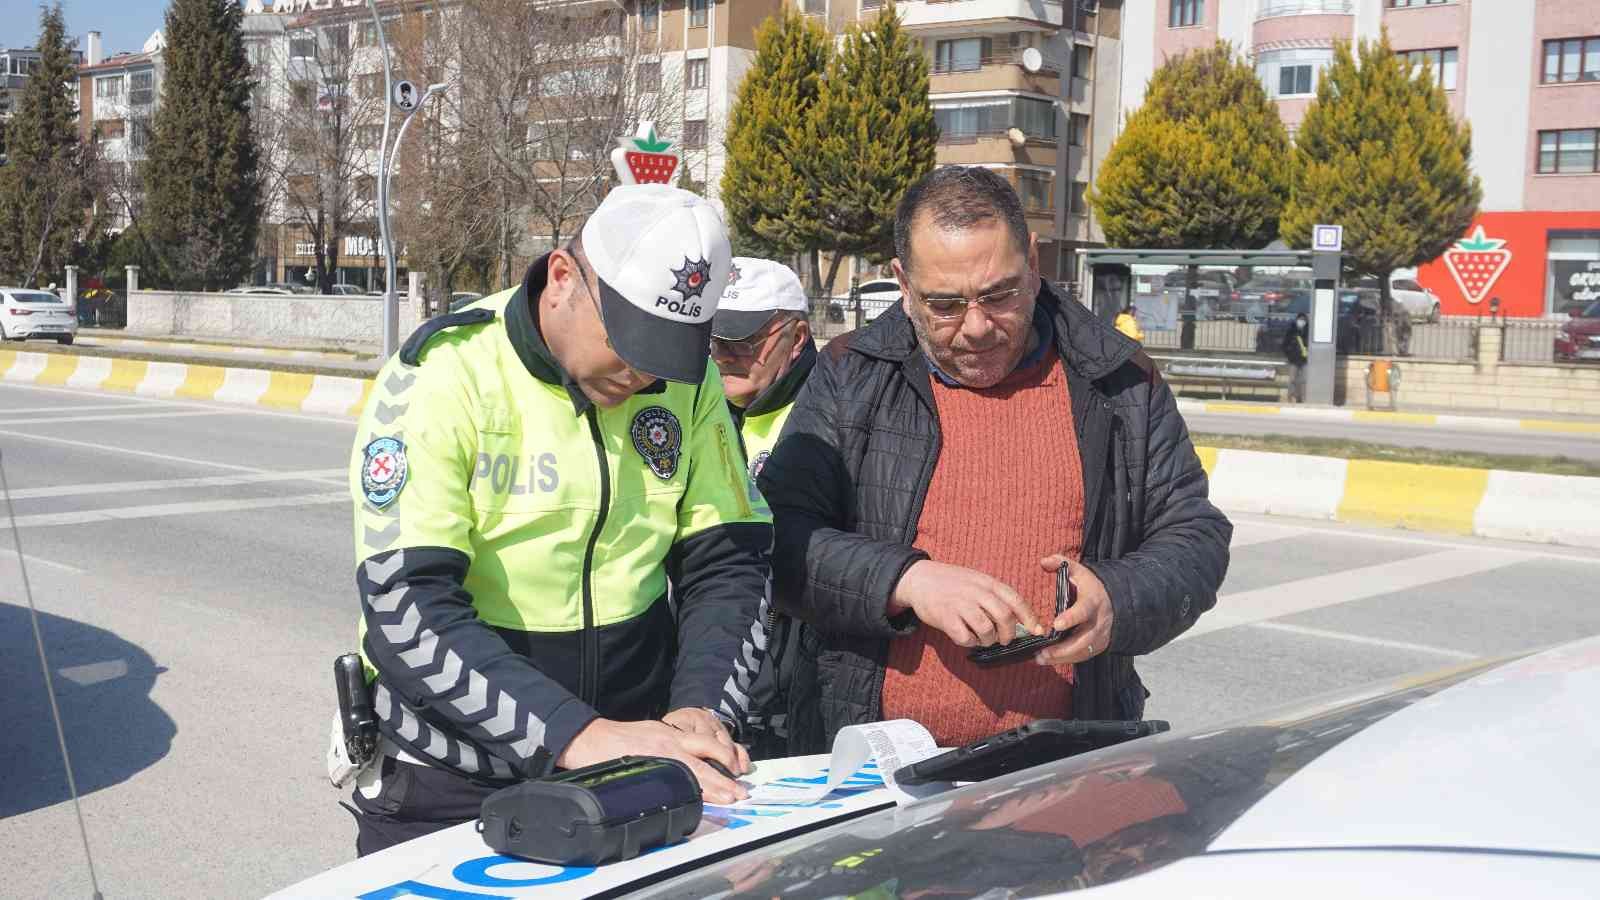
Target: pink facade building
(1525, 74)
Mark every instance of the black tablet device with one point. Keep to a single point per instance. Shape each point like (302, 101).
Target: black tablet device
(1020, 748)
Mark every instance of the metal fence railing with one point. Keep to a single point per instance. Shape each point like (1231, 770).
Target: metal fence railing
(1529, 341)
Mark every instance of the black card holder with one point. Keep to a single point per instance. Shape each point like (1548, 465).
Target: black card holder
(1024, 648)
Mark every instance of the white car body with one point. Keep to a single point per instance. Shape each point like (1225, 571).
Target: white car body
(1409, 295)
(876, 298)
(26, 313)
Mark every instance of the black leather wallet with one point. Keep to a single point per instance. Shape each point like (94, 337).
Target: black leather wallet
(1023, 648)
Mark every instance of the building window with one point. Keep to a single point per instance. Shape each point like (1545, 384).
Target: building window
(962, 55)
(303, 48)
(1036, 190)
(649, 77)
(650, 14)
(1185, 13)
(1080, 206)
(305, 94)
(1573, 281)
(1078, 130)
(1567, 152)
(369, 86)
(108, 89)
(139, 135)
(338, 37)
(141, 88)
(1082, 60)
(815, 7)
(1571, 59)
(368, 136)
(695, 73)
(1291, 73)
(1443, 61)
(110, 129)
(694, 134)
(970, 121)
(1408, 4)
(366, 34)
(697, 13)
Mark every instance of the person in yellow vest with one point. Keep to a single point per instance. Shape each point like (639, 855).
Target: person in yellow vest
(528, 475)
(1128, 323)
(761, 343)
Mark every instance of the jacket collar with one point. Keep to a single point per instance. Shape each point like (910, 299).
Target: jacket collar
(1088, 347)
(522, 328)
(782, 392)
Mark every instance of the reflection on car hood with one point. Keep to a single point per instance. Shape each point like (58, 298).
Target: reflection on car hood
(1479, 764)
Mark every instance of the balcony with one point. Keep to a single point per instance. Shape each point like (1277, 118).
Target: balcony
(1002, 72)
(1271, 9)
(934, 15)
(990, 148)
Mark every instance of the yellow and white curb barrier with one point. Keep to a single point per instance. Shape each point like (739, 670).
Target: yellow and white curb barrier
(1519, 506)
(1381, 417)
(292, 391)
(1551, 509)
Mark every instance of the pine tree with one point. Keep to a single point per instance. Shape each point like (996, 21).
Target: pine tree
(202, 178)
(770, 206)
(1203, 163)
(1380, 153)
(874, 135)
(44, 186)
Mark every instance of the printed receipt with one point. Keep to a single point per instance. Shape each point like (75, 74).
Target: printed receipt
(890, 745)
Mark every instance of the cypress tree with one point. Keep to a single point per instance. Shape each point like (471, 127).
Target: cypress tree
(1380, 153)
(202, 181)
(44, 185)
(874, 135)
(1202, 163)
(770, 206)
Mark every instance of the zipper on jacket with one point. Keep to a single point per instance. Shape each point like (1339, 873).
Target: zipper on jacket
(589, 659)
(738, 477)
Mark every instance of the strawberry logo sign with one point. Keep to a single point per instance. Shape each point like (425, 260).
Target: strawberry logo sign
(644, 158)
(1476, 262)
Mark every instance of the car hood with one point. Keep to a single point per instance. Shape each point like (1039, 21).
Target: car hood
(1583, 326)
(1497, 765)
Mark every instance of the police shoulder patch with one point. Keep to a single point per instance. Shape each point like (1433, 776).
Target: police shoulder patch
(659, 439)
(757, 464)
(383, 470)
(411, 350)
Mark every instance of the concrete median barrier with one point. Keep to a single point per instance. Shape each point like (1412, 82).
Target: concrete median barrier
(1552, 509)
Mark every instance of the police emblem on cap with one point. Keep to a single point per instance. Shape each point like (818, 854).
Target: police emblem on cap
(733, 275)
(692, 277)
(383, 470)
(659, 439)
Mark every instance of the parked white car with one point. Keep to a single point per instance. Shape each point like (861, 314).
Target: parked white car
(876, 297)
(28, 313)
(1417, 301)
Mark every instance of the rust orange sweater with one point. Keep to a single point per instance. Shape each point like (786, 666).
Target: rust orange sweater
(1006, 492)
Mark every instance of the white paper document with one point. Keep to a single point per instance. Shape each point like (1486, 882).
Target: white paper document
(864, 756)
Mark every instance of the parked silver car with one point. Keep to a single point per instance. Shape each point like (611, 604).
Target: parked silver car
(28, 314)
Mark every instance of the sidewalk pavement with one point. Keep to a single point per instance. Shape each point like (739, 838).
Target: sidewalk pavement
(1485, 420)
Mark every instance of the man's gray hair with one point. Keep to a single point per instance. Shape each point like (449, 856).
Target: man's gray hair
(955, 198)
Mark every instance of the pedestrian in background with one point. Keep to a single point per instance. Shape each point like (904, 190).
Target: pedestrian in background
(1128, 323)
(1294, 350)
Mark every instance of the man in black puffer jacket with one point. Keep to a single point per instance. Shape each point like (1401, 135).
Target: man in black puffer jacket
(848, 480)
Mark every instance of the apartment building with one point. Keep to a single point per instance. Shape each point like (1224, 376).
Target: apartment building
(1525, 74)
(17, 64)
(119, 96)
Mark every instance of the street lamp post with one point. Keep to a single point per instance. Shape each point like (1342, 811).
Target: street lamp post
(386, 156)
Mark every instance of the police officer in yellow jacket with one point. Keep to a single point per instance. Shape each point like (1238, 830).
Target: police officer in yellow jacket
(761, 342)
(528, 475)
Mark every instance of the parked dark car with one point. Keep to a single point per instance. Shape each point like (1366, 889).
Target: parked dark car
(1358, 329)
(1263, 296)
(1579, 338)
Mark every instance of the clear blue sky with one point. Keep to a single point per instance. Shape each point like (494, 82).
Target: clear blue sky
(123, 24)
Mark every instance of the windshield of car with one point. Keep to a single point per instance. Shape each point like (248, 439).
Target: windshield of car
(1063, 826)
(1593, 312)
(35, 297)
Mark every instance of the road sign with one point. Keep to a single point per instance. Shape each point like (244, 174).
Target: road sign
(406, 96)
(1327, 238)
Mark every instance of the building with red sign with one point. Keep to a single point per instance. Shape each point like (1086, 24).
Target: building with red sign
(1525, 75)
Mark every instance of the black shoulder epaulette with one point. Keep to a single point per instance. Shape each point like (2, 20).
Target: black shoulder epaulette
(411, 350)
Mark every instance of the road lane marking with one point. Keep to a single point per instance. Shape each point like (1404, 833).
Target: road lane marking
(1363, 639)
(162, 510)
(329, 476)
(347, 420)
(1289, 598)
(1447, 542)
(1247, 534)
(132, 416)
(40, 561)
(87, 407)
(126, 451)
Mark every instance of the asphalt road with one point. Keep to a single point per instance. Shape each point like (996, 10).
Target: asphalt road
(1434, 437)
(192, 566)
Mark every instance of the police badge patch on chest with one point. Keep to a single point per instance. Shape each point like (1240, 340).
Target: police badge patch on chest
(383, 470)
(659, 439)
(759, 463)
